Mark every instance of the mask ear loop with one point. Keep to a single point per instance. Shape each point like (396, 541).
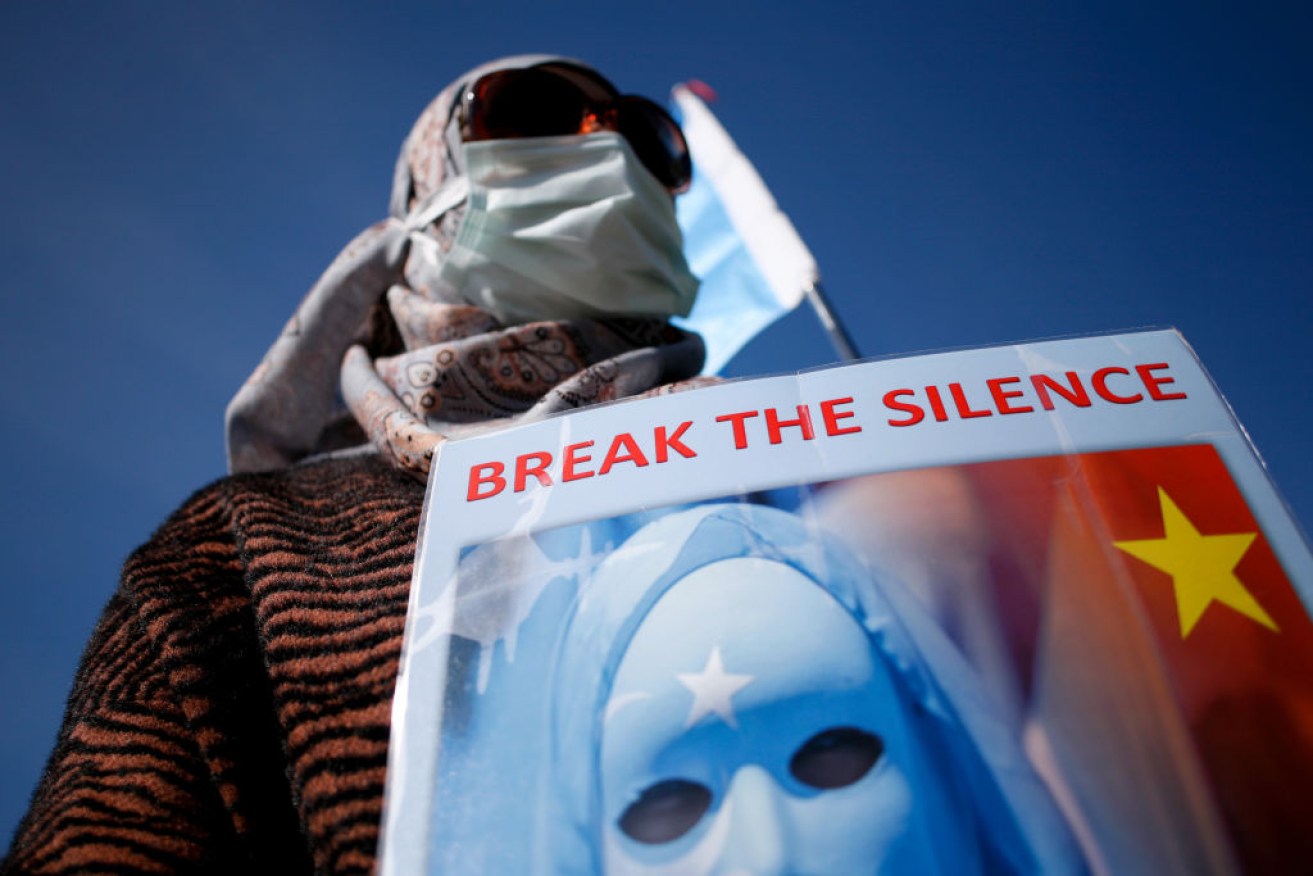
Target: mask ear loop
(456, 188)
(403, 181)
(450, 194)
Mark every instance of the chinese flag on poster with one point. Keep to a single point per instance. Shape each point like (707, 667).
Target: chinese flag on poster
(1170, 672)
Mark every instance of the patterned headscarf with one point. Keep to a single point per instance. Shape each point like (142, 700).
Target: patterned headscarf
(379, 353)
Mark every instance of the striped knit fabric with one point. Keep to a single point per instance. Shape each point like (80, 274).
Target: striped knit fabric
(231, 711)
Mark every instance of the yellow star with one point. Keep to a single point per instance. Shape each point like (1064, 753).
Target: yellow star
(1202, 566)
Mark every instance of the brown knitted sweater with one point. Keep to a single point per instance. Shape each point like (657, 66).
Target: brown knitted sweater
(231, 711)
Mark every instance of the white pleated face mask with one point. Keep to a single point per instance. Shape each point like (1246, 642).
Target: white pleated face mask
(565, 228)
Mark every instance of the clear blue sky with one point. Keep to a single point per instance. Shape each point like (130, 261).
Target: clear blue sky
(174, 176)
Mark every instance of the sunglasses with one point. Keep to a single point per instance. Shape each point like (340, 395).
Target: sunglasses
(556, 98)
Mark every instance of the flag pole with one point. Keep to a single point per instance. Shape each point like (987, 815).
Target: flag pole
(839, 337)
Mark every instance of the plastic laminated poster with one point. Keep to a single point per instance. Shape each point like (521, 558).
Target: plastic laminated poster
(1019, 609)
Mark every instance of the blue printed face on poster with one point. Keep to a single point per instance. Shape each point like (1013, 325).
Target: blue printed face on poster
(751, 729)
(736, 693)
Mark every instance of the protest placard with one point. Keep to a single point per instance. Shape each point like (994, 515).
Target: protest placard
(1033, 608)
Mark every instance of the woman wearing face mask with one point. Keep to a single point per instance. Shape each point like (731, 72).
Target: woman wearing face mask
(232, 708)
(529, 265)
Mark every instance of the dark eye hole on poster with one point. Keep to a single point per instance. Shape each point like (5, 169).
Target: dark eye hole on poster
(665, 811)
(836, 758)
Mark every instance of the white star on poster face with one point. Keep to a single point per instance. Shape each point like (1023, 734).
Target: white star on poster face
(712, 689)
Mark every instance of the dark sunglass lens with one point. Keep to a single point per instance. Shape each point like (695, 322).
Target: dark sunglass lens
(594, 85)
(524, 103)
(656, 140)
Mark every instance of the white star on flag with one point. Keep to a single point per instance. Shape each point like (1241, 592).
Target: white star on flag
(712, 689)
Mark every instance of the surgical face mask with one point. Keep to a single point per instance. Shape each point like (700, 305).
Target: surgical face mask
(564, 228)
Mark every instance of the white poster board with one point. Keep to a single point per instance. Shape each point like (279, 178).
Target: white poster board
(1040, 598)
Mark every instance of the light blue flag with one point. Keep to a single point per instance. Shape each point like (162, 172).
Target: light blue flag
(753, 265)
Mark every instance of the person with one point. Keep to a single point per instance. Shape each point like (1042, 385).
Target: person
(765, 705)
(232, 707)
